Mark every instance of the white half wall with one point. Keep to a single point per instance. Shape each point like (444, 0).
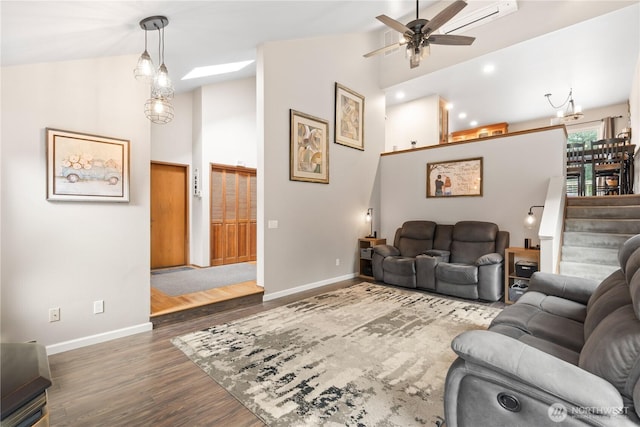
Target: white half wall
(70, 254)
(516, 171)
(318, 224)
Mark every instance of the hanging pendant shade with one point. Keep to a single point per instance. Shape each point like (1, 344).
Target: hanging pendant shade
(144, 69)
(158, 108)
(162, 85)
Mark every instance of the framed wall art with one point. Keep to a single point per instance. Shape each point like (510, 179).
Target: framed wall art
(309, 148)
(455, 178)
(83, 167)
(349, 118)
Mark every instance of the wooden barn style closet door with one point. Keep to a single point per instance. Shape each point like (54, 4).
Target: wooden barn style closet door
(233, 214)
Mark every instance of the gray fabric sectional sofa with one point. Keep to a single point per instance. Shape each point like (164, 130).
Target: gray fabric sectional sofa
(567, 353)
(464, 260)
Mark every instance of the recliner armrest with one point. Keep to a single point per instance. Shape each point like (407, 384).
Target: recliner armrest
(386, 250)
(493, 258)
(569, 287)
(515, 359)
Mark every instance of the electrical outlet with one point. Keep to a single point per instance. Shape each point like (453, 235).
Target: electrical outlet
(54, 314)
(98, 307)
(337, 261)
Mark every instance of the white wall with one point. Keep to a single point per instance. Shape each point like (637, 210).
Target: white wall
(173, 141)
(69, 254)
(516, 172)
(229, 123)
(416, 120)
(318, 223)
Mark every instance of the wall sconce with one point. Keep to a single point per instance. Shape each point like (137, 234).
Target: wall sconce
(369, 218)
(158, 108)
(530, 220)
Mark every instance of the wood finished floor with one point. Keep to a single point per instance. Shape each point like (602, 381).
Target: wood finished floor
(162, 303)
(143, 380)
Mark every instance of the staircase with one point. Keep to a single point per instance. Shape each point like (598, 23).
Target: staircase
(594, 229)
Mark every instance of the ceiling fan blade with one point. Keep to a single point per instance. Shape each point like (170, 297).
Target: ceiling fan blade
(390, 22)
(450, 39)
(445, 15)
(383, 49)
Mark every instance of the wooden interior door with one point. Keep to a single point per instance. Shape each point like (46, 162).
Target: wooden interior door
(233, 214)
(169, 215)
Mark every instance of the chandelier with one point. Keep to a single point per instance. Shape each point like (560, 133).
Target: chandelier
(571, 112)
(158, 107)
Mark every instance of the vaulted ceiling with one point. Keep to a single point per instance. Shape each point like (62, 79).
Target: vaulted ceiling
(545, 47)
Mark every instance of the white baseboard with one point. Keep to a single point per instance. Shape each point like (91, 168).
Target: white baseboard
(98, 338)
(308, 286)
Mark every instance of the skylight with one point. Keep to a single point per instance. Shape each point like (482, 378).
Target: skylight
(214, 70)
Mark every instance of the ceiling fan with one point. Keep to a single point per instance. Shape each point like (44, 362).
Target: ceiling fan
(418, 34)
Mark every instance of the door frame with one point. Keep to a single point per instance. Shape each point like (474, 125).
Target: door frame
(187, 210)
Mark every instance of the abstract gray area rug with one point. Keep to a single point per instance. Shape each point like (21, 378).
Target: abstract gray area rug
(201, 279)
(367, 355)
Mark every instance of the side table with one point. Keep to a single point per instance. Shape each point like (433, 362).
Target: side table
(365, 252)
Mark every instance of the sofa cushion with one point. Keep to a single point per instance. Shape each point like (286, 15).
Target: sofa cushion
(443, 237)
(627, 249)
(460, 274)
(532, 320)
(399, 265)
(547, 346)
(559, 306)
(415, 237)
(612, 294)
(471, 240)
(612, 351)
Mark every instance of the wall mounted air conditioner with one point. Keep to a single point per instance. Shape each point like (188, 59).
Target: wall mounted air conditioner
(479, 16)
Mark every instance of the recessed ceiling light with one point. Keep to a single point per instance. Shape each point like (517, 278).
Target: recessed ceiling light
(400, 95)
(448, 106)
(462, 115)
(214, 70)
(474, 123)
(488, 68)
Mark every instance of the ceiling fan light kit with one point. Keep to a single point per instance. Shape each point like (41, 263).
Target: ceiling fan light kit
(418, 34)
(158, 108)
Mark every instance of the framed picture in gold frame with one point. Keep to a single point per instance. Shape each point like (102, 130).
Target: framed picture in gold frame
(349, 118)
(455, 178)
(309, 148)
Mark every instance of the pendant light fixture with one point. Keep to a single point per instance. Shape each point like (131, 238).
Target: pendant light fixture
(158, 107)
(145, 68)
(572, 112)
